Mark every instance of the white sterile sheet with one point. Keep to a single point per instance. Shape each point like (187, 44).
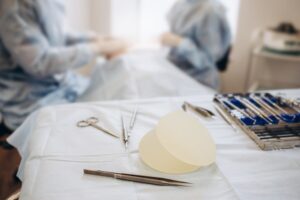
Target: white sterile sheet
(141, 74)
(54, 153)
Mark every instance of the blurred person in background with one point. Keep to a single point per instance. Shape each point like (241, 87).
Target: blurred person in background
(38, 58)
(199, 37)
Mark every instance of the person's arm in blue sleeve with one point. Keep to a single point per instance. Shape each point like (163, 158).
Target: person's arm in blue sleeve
(211, 40)
(76, 37)
(32, 51)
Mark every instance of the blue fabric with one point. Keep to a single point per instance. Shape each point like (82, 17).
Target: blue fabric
(37, 58)
(206, 38)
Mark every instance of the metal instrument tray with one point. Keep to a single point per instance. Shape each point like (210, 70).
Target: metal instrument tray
(265, 118)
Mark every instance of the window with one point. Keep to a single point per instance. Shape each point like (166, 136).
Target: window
(153, 13)
(144, 20)
(153, 18)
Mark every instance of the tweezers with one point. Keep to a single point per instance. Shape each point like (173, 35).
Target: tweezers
(138, 178)
(202, 111)
(124, 133)
(133, 119)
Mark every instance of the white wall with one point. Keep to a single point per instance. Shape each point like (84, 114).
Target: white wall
(133, 19)
(153, 25)
(255, 14)
(79, 14)
(117, 18)
(101, 16)
(124, 18)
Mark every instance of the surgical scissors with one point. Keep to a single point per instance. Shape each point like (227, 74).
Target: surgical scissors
(92, 121)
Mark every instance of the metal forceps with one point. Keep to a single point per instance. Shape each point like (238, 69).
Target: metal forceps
(138, 178)
(92, 121)
(126, 132)
(202, 111)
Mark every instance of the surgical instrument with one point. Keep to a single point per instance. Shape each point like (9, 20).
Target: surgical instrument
(246, 117)
(284, 114)
(92, 121)
(275, 105)
(226, 118)
(274, 115)
(253, 108)
(133, 119)
(124, 133)
(138, 178)
(276, 125)
(238, 109)
(202, 111)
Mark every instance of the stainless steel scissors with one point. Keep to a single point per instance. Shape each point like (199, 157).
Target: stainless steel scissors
(93, 123)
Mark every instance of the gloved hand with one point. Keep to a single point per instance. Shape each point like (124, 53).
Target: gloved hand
(170, 39)
(111, 47)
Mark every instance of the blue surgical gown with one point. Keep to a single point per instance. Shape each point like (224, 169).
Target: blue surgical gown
(37, 58)
(206, 38)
